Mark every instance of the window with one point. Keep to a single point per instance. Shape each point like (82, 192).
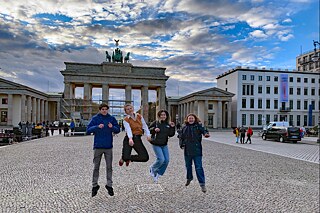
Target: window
(248, 89)
(252, 103)
(259, 103)
(244, 103)
(268, 90)
(298, 80)
(305, 105)
(275, 90)
(226, 89)
(259, 89)
(298, 91)
(291, 120)
(291, 91)
(283, 105)
(305, 80)
(251, 119)
(313, 80)
(305, 91)
(275, 104)
(210, 107)
(251, 90)
(305, 120)
(291, 104)
(252, 77)
(268, 103)
(275, 117)
(313, 104)
(275, 78)
(259, 119)
(4, 116)
(313, 91)
(267, 118)
(243, 89)
(268, 78)
(210, 120)
(226, 82)
(298, 120)
(298, 104)
(291, 79)
(260, 78)
(244, 119)
(244, 77)
(4, 100)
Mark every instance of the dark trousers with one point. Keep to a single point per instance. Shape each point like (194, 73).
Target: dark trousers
(197, 160)
(142, 153)
(242, 137)
(248, 138)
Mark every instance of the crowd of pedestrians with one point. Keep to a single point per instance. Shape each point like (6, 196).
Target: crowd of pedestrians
(241, 133)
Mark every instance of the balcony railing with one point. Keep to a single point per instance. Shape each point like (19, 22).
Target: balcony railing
(284, 109)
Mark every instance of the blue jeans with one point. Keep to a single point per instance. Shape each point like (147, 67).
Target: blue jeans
(198, 166)
(162, 161)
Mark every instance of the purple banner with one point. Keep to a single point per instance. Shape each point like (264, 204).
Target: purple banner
(284, 90)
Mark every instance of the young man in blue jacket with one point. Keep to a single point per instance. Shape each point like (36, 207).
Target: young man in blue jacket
(102, 125)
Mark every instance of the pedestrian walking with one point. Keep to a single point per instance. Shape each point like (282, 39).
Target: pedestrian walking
(190, 140)
(236, 133)
(249, 134)
(135, 126)
(102, 125)
(161, 129)
(242, 134)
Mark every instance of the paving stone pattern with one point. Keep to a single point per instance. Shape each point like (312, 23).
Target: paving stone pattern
(53, 174)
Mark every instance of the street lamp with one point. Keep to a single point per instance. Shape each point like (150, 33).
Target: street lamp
(315, 59)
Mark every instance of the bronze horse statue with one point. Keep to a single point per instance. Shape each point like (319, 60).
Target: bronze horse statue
(126, 58)
(108, 57)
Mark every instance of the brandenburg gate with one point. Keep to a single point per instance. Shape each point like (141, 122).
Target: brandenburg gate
(116, 73)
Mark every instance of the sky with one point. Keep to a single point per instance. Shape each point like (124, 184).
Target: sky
(195, 40)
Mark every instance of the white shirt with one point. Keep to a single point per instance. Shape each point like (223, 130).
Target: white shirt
(128, 128)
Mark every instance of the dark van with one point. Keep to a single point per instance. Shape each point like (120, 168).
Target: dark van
(282, 134)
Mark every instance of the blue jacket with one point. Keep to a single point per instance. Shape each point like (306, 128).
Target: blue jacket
(103, 138)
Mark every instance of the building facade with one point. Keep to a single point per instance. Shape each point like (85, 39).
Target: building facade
(22, 103)
(304, 62)
(212, 106)
(259, 96)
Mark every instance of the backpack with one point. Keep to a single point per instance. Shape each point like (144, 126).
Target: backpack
(234, 131)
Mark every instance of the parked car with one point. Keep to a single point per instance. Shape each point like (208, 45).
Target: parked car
(282, 133)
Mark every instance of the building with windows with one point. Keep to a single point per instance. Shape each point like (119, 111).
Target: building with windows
(22, 103)
(264, 95)
(304, 62)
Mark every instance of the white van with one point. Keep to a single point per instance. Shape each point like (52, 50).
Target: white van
(278, 124)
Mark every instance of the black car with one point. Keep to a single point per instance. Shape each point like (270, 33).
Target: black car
(282, 134)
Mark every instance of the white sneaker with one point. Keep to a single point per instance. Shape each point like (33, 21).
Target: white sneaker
(151, 172)
(155, 178)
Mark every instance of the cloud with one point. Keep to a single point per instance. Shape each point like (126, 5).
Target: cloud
(258, 34)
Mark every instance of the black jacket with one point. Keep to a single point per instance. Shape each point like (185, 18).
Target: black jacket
(190, 138)
(166, 131)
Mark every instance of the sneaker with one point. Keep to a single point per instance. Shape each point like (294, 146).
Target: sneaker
(203, 189)
(155, 178)
(151, 172)
(127, 162)
(95, 190)
(188, 182)
(110, 190)
(121, 162)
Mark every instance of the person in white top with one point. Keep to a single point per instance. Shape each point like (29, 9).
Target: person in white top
(135, 126)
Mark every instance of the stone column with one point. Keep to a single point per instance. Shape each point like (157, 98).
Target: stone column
(46, 111)
(205, 113)
(161, 98)
(144, 103)
(188, 107)
(10, 110)
(105, 93)
(192, 107)
(23, 108)
(196, 110)
(58, 111)
(87, 92)
(229, 115)
(184, 110)
(128, 94)
(219, 115)
(38, 110)
(66, 92)
(172, 118)
(29, 109)
(34, 110)
(42, 110)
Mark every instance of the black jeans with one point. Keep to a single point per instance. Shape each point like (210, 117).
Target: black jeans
(242, 137)
(142, 153)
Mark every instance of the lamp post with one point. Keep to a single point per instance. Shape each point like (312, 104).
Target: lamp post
(315, 59)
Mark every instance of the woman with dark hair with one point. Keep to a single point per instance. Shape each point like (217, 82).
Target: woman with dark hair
(190, 140)
(161, 129)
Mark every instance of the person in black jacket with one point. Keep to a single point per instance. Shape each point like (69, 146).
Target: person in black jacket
(160, 130)
(190, 138)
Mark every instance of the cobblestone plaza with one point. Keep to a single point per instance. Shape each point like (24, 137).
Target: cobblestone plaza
(53, 174)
